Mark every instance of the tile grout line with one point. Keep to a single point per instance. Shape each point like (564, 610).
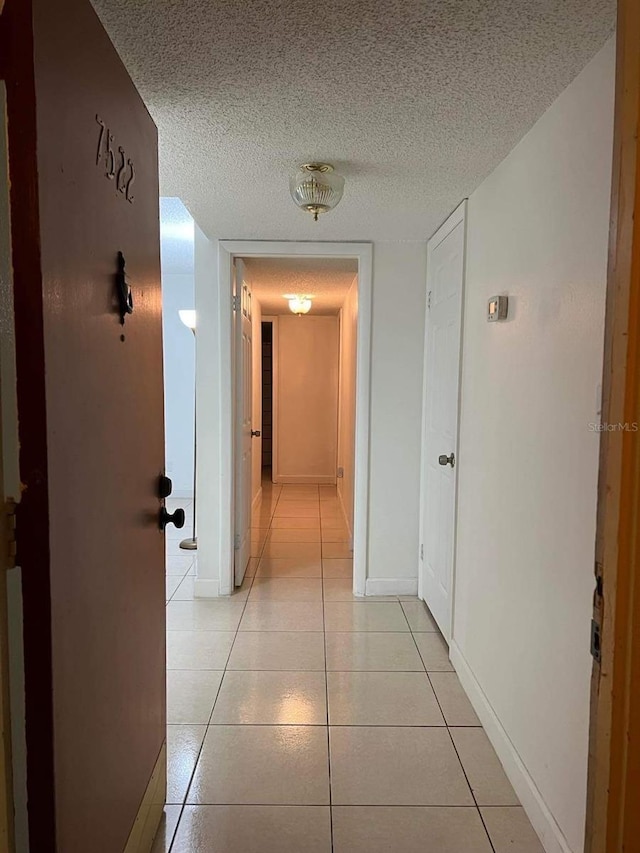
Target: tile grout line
(326, 673)
(182, 579)
(448, 727)
(470, 787)
(167, 556)
(326, 677)
(208, 724)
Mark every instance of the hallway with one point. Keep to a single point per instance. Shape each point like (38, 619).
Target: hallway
(302, 719)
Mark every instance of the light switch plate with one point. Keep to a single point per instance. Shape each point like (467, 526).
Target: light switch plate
(498, 308)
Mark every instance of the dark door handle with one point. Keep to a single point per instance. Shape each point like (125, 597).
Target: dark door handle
(447, 460)
(176, 518)
(255, 433)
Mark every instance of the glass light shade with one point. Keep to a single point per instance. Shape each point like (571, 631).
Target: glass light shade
(299, 304)
(188, 317)
(316, 188)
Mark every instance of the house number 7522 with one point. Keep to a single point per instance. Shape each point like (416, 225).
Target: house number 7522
(117, 166)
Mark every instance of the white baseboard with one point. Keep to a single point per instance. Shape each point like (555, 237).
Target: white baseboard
(303, 479)
(534, 805)
(206, 588)
(346, 518)
(256, 500)
(391, 586)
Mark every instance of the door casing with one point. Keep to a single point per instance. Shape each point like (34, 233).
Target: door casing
(243, 375)
(223, 460)
(9, 493)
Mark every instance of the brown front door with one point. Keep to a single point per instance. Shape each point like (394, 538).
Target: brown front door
(83, 161)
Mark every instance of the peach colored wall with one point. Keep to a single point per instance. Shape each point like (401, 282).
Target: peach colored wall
(306, 399)
(347, 402)
(256, 391)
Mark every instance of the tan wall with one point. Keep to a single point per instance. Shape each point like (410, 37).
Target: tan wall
(347, 402)
(306, 401)
(256, 391)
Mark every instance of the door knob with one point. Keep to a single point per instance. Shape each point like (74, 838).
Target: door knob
(164, 486)
(447, 460)
(176, 518)
(255, 433)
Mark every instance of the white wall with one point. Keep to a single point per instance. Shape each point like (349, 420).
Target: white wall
(178, 291)
(179, 378)
(306, 399)
(399, 294)
(347, 402)
(214, 483)
(537, 231)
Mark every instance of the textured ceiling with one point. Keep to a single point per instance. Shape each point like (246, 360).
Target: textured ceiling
(326, 279)
(415, 102)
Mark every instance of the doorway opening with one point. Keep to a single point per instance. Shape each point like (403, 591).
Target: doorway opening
(294, 415)
(235, 510)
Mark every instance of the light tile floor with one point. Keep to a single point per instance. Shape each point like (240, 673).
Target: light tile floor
(305, 720)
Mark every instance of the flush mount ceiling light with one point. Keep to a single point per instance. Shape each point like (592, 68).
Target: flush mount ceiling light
(299, 303)
(316, 188)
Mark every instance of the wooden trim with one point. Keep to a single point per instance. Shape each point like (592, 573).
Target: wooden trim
(613, 816)
(149, 815)
(16, 44)
(7, 838)
(7, 538)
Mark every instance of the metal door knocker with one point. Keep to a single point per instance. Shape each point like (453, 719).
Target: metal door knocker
(125, 297)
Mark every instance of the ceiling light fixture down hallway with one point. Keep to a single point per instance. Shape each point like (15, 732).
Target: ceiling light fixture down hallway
(316, 188)
(299, 303)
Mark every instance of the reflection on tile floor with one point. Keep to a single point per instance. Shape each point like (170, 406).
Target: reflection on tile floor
(305, 720)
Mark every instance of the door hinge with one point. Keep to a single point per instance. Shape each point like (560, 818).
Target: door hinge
(429, 300)
(237, 302)
(10, 532)
(236, 542)
(596, 641)
(422, 552)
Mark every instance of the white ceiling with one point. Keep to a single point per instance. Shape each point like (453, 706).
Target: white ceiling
(326, 279)
(415, 102)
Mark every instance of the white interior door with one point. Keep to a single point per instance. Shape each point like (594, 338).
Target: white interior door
(243, 422)
(445, 271)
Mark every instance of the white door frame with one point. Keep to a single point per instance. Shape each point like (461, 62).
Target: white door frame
(362, 253)
(459, 215)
